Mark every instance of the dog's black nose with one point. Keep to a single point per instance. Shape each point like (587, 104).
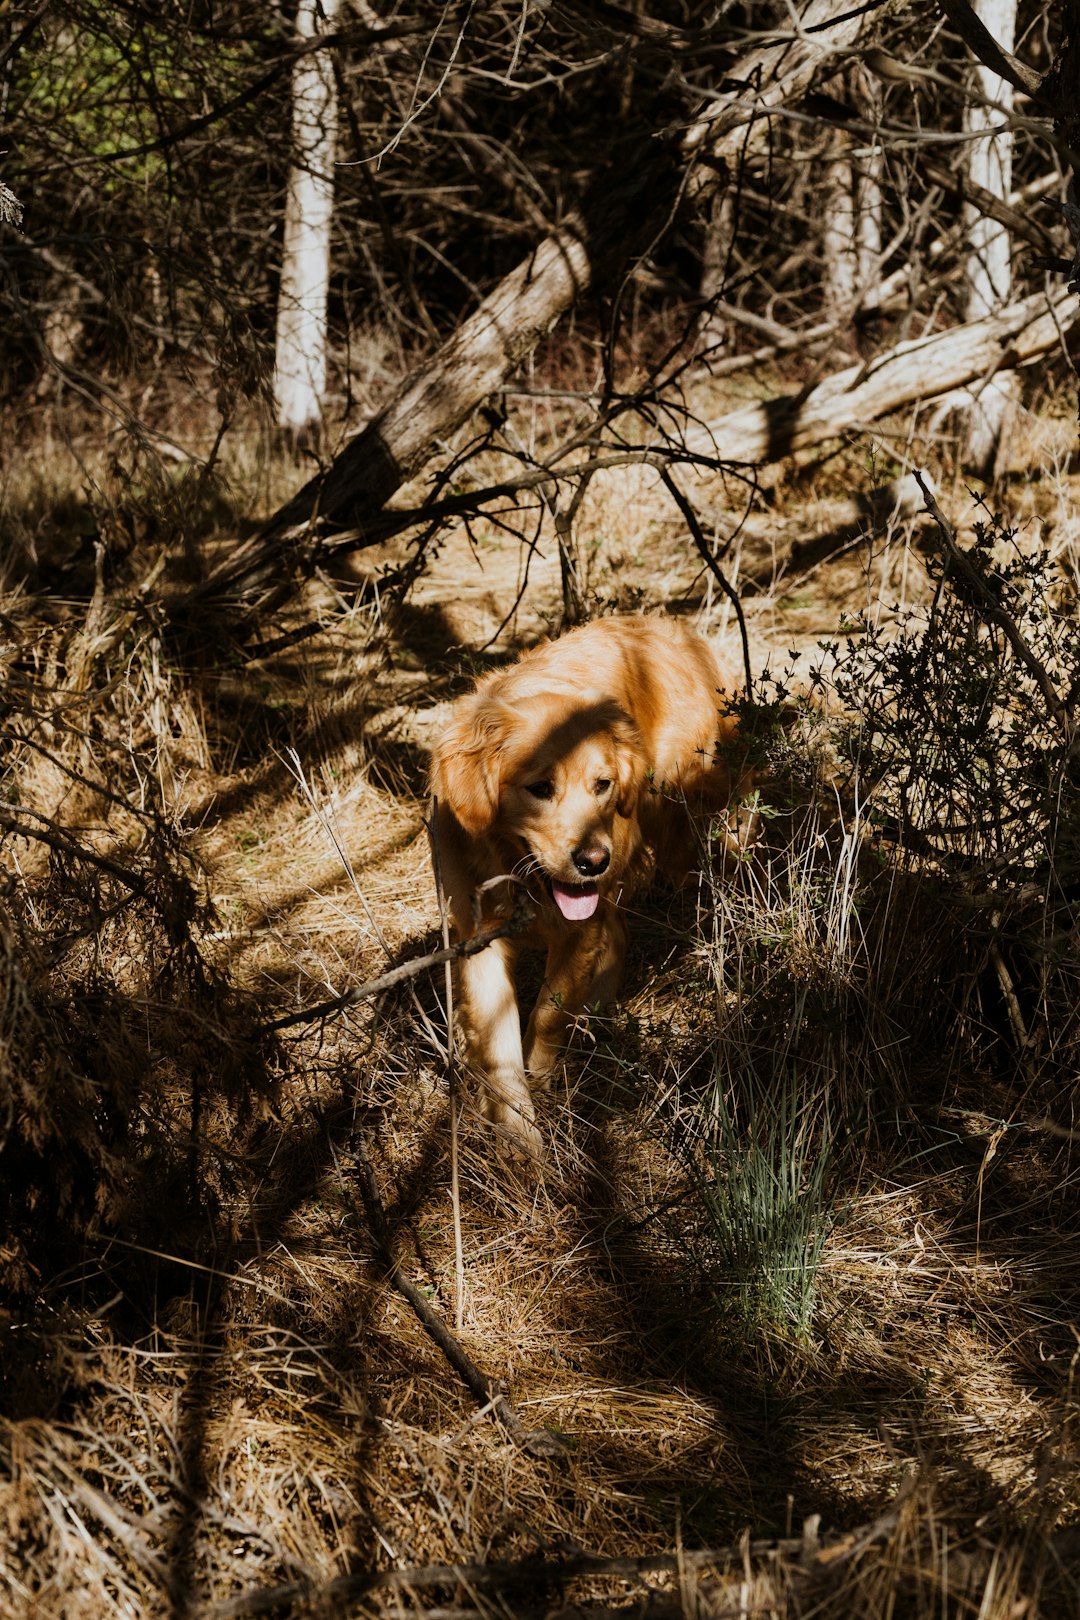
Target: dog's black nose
(591, 862)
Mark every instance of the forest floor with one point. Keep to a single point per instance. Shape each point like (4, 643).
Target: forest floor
(216, 1402)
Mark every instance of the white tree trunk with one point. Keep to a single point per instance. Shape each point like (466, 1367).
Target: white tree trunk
(839, 235)
(300, 355)
(868, 202)
(851, 196)
(989, 268)
(713, 330)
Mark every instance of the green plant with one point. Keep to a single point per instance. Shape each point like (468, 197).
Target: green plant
(762, 1171)
(107, 85)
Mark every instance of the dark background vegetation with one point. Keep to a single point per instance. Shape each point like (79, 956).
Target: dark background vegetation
(150, 145)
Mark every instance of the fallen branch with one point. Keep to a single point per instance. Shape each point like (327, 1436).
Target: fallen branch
(917, 371)
(536, 1442)
(622, 214)
(530, 1582)
(518, 920)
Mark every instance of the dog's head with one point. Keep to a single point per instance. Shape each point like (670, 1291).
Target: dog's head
(554, 772)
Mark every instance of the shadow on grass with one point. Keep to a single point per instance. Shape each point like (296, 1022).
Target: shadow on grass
(220, 1175)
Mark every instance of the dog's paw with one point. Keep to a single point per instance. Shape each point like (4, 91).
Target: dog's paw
(541, 1062)
(517, 1133)
(522, 1147)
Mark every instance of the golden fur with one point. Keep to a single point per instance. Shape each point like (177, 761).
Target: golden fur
(579, 769)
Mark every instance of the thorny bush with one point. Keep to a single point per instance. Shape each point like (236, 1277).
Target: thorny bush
(953, 741)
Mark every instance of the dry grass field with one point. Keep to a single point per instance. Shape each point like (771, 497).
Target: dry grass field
(787, 1325)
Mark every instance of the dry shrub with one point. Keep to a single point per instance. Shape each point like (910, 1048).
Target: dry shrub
(116, 1028)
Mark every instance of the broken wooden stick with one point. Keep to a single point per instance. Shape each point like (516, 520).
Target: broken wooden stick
(537, 1442)
(518, 920)
(529, 1585)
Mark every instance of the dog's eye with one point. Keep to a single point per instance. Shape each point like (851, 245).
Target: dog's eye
(601, 784)
(540, 790)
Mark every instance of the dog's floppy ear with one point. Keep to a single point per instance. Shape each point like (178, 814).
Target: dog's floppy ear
(631, 765)
(467, 763)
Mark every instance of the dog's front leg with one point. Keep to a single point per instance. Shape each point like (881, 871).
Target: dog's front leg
(489, 1016)
(584, 968)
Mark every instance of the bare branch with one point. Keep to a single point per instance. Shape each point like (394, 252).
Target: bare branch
(48, 833)
(982, 44)
(362, 35)
(518, 920)
(690, 517)
(989, 608)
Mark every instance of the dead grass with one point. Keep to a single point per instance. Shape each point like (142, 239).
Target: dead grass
(213, 1402)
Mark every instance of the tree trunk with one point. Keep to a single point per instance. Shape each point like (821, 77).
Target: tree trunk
(851, 230)
(300, 353)
(868, 200)
(989, 268)
(713, 329)
(623, 209)
(839, 240)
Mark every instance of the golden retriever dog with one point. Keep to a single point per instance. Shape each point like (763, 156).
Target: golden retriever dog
(579, 770)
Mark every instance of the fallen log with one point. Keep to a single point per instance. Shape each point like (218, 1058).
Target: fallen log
(920, 370)
(623, 211)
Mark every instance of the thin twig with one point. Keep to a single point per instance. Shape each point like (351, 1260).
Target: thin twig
(50, 834)
(537, 1442)
(713, 566)
(988, 607)
(398, 975)
(432, 825)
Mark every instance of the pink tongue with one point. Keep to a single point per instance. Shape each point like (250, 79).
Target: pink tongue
(578, 902)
